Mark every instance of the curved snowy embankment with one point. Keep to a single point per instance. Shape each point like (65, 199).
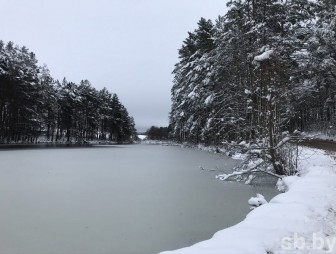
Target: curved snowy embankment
(301, 220)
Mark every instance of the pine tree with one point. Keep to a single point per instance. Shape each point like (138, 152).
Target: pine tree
(254, 76)
(32, 104)
(191, 81)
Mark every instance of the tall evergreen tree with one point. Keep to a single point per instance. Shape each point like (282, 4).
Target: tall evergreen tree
(32, 104)
(250, 78)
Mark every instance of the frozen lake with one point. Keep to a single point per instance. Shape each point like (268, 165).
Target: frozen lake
(124, 199)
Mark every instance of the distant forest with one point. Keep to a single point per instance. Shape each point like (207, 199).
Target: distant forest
(34, 106)
(264, 69)
(157, 133)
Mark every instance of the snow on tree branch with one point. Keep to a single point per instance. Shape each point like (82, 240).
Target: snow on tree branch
(264, 56)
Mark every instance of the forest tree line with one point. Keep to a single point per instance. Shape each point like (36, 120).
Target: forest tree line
(264, 69)
(34, 105)
(157, 133)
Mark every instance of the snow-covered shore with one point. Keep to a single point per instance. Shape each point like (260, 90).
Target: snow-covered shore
(301, 220)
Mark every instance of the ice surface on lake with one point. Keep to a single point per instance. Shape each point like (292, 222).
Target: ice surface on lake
(126, 199)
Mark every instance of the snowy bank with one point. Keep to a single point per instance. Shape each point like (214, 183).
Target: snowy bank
(327, 135)
(302, 220)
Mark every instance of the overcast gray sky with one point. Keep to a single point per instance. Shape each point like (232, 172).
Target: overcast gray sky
(128, 46)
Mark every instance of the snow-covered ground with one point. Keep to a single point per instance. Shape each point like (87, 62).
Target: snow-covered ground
(329, 135)
(301, 220)
(142, 137)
